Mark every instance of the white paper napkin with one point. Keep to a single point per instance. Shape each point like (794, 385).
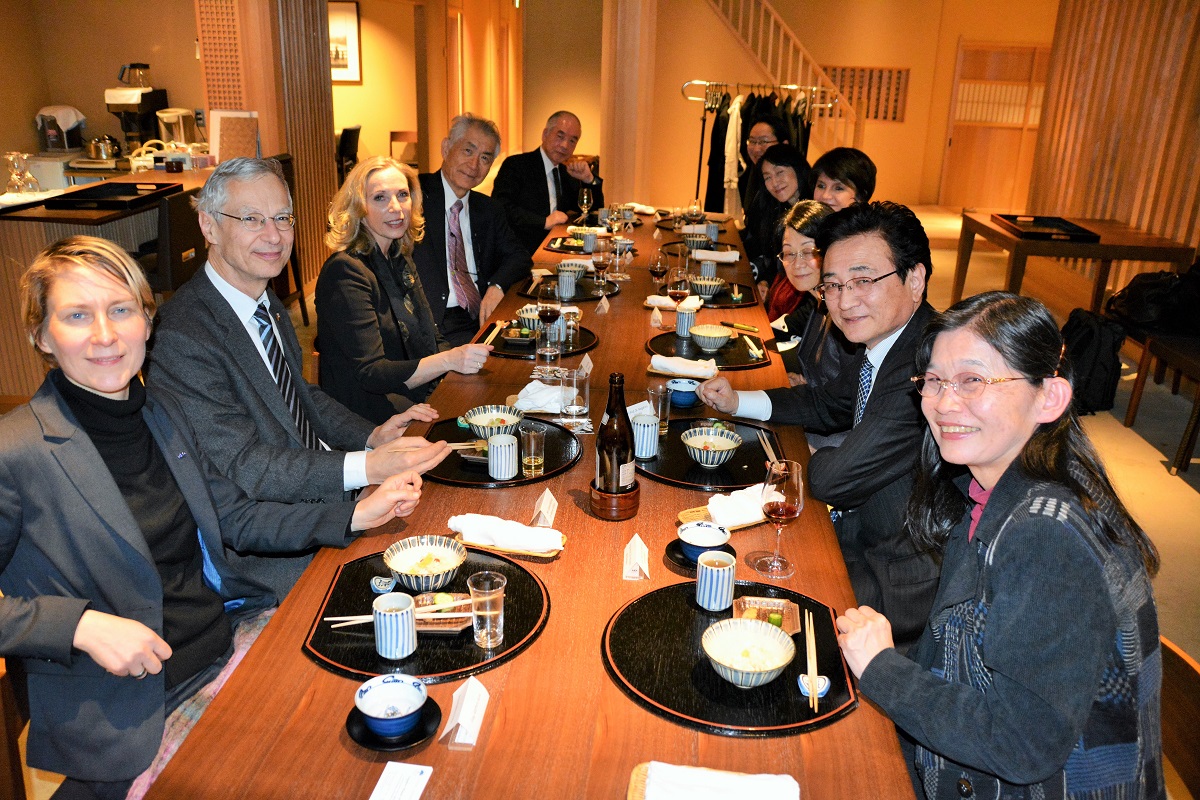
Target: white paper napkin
(702, 228)
(685, 367)
(658, 301)
(489, 531)
(401, 781)
(720, 256)
(690, 303)
(538, 396)
(642, 208)
(743, 507)
(670, 782)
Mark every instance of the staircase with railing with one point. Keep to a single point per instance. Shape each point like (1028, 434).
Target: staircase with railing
(769, 40)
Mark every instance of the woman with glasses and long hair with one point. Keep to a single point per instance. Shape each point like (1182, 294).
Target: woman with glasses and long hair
(1038, 674)
(380, 348)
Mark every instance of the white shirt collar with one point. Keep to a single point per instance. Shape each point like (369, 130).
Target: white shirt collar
(243, 305)
(450, 197)
(879, 352)
(547, 164)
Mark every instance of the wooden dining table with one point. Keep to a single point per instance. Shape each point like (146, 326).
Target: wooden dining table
(556, 725)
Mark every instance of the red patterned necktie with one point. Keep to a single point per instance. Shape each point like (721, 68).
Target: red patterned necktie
(464, 288)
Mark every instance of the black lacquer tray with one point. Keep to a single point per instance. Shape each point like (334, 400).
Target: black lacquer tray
(1029, 226)
(115, 196)
(562, 451)
(677, 248)
(673, 465)
(669, 225)
(527, 351)
(558, 245)
(351, 652)
(583, 289)
(724, 297)
(733, 354)
(651, 649)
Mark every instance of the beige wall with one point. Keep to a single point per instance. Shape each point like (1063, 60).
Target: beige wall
(562, 68)
(386, 100)
(74, 48)
(23, 90)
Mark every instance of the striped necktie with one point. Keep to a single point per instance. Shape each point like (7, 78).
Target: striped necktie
(465, 289)
(283, 377)
(864, 388)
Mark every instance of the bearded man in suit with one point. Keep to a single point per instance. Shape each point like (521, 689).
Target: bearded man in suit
(540, 189)
(469, 256)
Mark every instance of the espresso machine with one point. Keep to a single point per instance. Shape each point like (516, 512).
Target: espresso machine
(136, 105)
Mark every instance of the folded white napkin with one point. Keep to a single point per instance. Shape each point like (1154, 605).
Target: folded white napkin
(642, 208)
(685, 367)
(702, 228)
(571, 309)
(658, 301)
(690, 303)
(720, 256)
(743, 507)
(538, 396)
(717, 216)
(670, 782)
(489, 531)
(538, 272)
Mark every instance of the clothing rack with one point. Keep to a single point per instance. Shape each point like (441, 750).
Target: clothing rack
(805, 100)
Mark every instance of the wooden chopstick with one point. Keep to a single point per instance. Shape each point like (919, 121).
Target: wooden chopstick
(466, 445)
(766, 446)
(492, 335)
(810, 647)
(355, 618)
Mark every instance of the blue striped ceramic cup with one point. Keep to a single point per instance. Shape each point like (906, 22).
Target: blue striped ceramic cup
(684, 320)
(395, 625)
(708, 269)
(714, 580)
(502, 456)
(645, 436)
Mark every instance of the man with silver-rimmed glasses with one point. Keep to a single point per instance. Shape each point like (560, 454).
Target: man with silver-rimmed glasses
(874, 273)
(225, 348)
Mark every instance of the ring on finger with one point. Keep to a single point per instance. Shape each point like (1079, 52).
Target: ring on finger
(141, 674)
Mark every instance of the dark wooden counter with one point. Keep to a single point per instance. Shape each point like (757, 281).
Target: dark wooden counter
(557, 726)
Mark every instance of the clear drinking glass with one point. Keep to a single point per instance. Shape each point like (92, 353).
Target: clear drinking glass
(487, 608)
(783, 500)
(585, 204)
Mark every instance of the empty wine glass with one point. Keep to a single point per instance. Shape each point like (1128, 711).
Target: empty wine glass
(585, 204)
(782, 502)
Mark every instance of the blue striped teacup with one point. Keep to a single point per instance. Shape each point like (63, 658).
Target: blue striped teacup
(714, 580)
(645, 436)
(395, 625)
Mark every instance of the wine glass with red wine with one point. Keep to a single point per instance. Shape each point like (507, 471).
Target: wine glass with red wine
(549, 306)
(782, 501)
(678, 285)
(658, 267)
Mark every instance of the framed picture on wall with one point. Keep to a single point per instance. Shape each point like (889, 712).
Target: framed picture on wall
(345, 52)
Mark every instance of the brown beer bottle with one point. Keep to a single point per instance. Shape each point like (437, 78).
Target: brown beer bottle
(614, 442)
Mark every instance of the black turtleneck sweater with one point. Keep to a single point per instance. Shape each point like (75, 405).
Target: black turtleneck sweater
(194, 621)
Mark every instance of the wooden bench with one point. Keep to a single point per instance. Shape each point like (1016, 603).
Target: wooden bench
(1180, 710)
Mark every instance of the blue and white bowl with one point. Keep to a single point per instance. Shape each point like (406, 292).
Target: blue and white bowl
(482, 420)
(747, 652)
(683, 392)
(528, 317)
(711, 447)
(403, 556)
(391, 704)
(698, 537)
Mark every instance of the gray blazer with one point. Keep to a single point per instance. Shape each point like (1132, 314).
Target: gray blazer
(202, 355)
(68, 542)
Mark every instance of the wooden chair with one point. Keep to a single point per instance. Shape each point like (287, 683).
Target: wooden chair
(1180, 712)
(347, 151)
(1182, 354)
(180, 247)
(289, 175)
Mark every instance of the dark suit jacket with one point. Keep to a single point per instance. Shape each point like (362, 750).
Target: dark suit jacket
(203, 356)
(371, 339)
(68, 542)
(522, 191)
(499, 256)
(869, 478)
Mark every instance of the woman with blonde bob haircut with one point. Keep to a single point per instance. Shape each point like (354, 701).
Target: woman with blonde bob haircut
(118, 599)
(381, 351)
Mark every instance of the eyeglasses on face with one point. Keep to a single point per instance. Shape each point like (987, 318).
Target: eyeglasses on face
(762, 141)
(966, 385)
(853, 286)
(256, 222)
(807, 253)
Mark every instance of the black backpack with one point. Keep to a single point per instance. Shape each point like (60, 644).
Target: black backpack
(1094, 350)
